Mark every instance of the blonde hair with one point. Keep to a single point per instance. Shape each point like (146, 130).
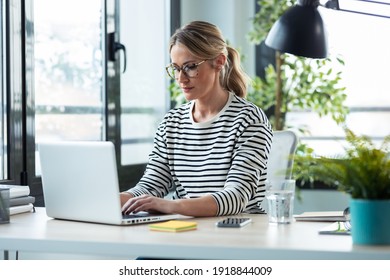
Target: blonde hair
(205, 41)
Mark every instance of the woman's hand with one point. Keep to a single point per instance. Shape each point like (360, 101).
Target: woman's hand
(201, 207)
(149, 204)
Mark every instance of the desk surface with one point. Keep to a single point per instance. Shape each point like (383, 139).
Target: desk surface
(35, 232)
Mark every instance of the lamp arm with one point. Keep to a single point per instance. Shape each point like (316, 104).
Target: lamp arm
(334, 5)
(278, 92)
(363, 13)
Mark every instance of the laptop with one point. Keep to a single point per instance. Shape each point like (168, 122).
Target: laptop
(80, 183)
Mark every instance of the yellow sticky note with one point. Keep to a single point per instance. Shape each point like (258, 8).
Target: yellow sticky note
(174, 226)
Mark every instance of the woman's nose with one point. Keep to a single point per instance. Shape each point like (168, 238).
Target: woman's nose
(182, 76)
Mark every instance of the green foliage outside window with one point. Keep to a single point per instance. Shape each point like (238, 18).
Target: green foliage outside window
(363, 171)
(295, 82)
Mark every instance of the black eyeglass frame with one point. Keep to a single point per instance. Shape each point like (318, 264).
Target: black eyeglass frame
(183, 68)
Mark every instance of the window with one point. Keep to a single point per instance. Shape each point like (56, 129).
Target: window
(69, 100)
(3, 116)
(59, 81)
(144, 85)
(362, 41)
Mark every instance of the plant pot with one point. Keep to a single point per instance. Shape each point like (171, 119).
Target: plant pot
(370, 221)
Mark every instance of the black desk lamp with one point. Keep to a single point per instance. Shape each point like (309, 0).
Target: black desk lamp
(300, 30)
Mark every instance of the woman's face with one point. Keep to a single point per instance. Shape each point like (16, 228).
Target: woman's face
(204, 83)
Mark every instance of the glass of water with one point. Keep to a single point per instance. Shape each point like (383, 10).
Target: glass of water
(280, 198)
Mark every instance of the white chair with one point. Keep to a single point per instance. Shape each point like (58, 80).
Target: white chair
(281, 157)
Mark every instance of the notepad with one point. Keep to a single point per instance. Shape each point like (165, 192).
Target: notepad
(337, 228)
(173, 226)
(324, 216)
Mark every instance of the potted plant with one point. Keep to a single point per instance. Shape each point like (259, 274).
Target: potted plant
(364, 173)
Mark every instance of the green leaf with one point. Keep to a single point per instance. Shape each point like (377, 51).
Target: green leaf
(363, 172)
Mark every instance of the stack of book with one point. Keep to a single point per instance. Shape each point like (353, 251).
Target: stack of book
(20, 199)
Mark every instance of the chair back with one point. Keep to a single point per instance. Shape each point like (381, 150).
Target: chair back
(281, 156)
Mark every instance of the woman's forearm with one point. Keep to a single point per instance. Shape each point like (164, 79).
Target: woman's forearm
(205, 206)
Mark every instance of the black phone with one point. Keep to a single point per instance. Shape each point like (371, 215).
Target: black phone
(234, 222)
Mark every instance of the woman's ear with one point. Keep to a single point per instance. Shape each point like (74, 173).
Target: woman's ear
(220, 61)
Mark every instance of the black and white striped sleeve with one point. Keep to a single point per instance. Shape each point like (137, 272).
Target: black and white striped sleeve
(248, 166)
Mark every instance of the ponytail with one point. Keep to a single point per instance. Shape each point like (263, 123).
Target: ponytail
(233, 78)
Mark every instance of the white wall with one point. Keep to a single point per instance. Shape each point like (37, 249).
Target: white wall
(321, 200)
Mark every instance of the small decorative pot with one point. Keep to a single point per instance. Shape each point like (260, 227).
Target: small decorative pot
(370, 221)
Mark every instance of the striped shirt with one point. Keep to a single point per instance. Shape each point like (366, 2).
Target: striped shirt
(225, 157)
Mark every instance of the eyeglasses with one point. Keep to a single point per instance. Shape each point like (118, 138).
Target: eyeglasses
(189, 70)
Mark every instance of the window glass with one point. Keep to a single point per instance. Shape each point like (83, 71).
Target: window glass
(3, 138)
(68, 70)
(362, 42)
(144, 85)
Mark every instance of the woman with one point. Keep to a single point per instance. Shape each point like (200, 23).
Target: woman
(214, 149)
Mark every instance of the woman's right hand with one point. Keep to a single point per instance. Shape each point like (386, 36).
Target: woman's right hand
(125, 196)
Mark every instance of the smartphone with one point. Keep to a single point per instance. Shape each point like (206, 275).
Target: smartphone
(234, 222)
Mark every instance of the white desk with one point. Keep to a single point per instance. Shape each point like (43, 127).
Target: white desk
(35, 232)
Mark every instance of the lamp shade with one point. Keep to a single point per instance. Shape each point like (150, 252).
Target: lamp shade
(300, 31)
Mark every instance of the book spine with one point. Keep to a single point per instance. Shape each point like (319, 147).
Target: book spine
(21, 209)
(18, 190)
(21, 200)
